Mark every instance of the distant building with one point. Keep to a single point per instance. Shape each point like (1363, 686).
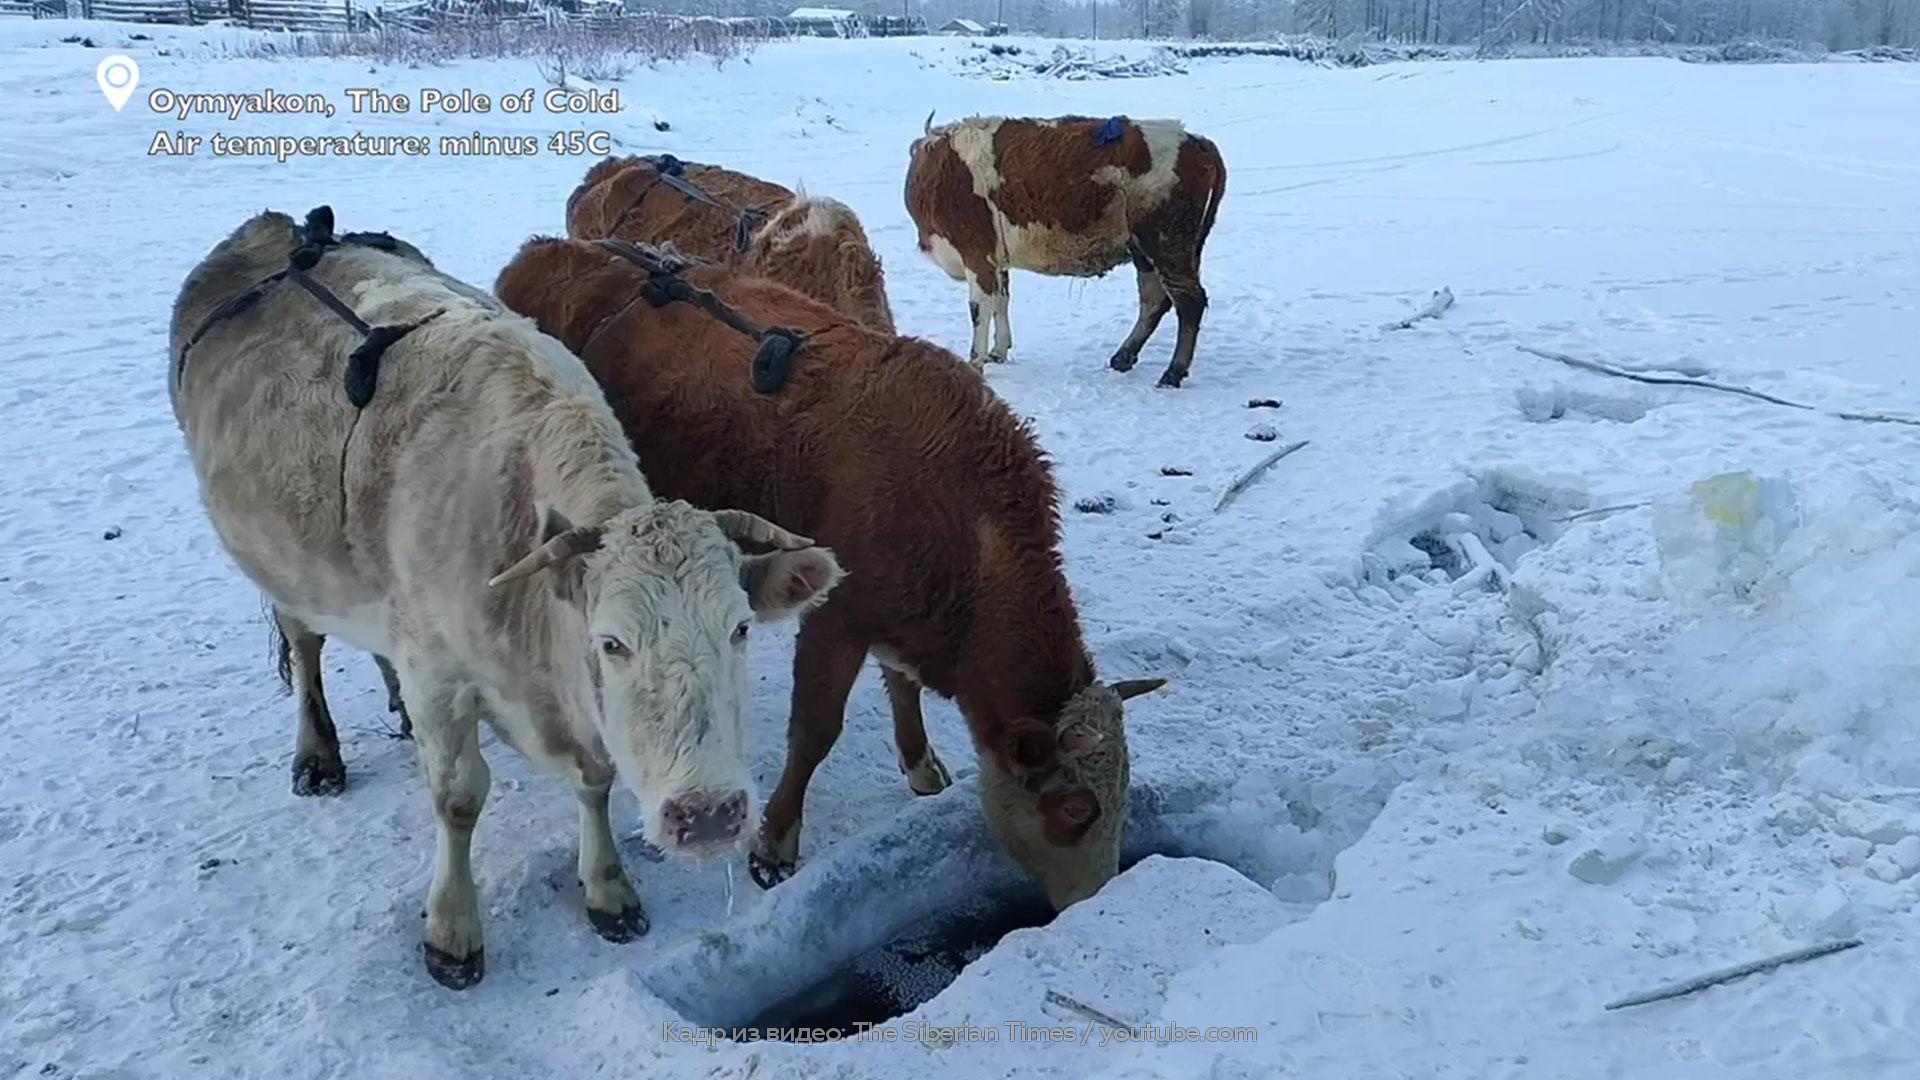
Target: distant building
(827, 22)
(885, 25)
(963, 28)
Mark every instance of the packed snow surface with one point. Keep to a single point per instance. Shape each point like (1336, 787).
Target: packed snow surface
(1518, 689)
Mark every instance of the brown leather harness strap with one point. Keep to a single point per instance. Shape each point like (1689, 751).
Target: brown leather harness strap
(670, 170)
(315, 236)
(773, 360)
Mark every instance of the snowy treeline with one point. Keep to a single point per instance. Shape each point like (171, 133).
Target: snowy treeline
(1834, 24)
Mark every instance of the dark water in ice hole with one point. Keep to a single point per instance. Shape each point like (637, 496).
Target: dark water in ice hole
(898, 976)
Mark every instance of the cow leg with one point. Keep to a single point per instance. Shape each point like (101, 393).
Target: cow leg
(317, 766)
(1180, 274)
(924, 771)
(1189, 306)
(613, 904)
(447, 736)
(1154, 305)
(980, 308)
(395, 704)
(1002, 326)
(825, 664)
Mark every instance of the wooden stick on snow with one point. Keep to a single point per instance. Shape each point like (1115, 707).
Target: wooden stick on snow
(1599, 368)
(1055, 997)
(1439, 302)
(1726, 975)
(1234, 489)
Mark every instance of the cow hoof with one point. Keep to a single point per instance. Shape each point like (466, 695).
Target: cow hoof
(996, 358)
(316, 775)
(1123, 362)
(453, 972)
(620, 926)
(767, 873)
(1171, 381)
(930, 777)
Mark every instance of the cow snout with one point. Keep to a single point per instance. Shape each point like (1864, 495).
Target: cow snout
(705, 824)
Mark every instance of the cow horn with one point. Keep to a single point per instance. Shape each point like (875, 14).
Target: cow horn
(740, 525)
(567, 545)
(927, 128)
(1133, 688)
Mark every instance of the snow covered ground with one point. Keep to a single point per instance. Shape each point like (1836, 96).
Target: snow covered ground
(1647, 743)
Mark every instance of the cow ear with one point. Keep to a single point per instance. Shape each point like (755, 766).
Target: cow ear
(789, 582)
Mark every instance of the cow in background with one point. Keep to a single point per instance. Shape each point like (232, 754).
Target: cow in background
(1075, 197)
(812, 245)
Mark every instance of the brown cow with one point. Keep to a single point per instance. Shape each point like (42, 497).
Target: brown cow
(810, 244)
(932, 494)
(1072, 196)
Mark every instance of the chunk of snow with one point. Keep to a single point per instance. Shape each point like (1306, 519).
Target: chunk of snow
(1607, 861)
(1897, 862)
(1721, 536)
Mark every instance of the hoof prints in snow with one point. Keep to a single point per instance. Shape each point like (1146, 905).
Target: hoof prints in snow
(1475, 531)
(880, 925)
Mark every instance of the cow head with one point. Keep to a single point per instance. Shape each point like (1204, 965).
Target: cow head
(665, 598)
(1055, 791)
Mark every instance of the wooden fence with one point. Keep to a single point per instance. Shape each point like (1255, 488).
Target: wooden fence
(315, 15)
(340, 16)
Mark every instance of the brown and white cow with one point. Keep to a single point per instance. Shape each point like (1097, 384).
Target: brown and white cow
(809, 244)
(934, 494)
(1073, 196)
(482, 522)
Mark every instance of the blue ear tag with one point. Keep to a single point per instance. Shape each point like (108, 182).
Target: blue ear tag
(1110, 132)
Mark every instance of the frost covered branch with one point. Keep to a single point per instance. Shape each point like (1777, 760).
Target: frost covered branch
(1599, 368)
(1439, 302)
(1239, 485)
(1056, 998)
(1603, 511)
(1726, 975)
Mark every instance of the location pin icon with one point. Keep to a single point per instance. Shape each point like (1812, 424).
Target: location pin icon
(118, 75)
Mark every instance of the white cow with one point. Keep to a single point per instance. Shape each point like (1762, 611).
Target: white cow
(436, 527)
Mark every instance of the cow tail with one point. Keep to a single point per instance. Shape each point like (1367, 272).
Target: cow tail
(282, 651)
(1219, 189)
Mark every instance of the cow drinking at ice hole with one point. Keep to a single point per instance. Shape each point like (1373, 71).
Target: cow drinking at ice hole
(936, 497)
(398, 461)
(1075, 197)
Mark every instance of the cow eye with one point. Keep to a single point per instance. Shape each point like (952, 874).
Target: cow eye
(740, 634)
(612, 646)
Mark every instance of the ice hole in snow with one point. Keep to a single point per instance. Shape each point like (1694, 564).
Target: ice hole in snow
(882, 923)
(898, 976)
(1487, 521)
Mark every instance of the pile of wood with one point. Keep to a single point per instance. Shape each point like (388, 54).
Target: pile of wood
(1002, 62)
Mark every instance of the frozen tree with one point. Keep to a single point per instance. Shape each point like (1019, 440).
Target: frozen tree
(1492, 24)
